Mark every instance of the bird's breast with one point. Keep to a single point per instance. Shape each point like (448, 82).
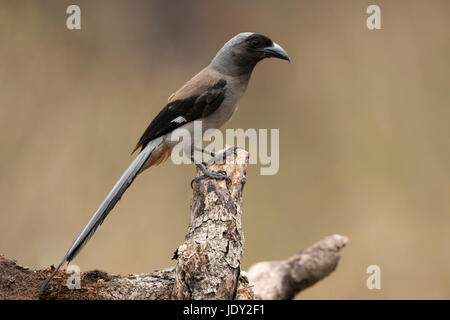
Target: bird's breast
(234, 92)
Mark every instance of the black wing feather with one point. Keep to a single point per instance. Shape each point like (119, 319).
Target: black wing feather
(191, 108)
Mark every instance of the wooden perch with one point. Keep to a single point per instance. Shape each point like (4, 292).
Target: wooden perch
(208, 262)
(209, 259)
(281, 280)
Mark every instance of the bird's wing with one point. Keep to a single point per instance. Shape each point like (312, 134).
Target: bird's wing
(200, 97)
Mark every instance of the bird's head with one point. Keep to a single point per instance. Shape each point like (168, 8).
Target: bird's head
(240, 54)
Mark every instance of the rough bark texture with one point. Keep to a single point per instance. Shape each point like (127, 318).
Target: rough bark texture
(280, 280)
(268, 280)
(208, 262)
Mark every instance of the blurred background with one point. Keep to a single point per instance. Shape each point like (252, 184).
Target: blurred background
(364, 134)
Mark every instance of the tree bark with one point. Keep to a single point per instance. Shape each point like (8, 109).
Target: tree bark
(208, 262)
(281, 280)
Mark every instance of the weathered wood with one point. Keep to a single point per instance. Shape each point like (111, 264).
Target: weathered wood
(281, 280)
(208, 262)
(268, 280)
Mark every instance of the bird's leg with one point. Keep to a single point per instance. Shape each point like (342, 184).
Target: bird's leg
(219, 175)
(211, 153)
(216, 156)
(220, 156)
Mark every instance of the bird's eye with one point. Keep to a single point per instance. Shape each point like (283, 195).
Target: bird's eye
(255, 43)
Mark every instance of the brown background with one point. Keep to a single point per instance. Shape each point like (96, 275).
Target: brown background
(363, 118)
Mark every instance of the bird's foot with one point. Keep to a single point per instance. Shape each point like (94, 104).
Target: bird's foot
(218, 175)
(216, 158)
(220, 157)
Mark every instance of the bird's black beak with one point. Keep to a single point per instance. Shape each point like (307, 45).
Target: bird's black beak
(276, 51)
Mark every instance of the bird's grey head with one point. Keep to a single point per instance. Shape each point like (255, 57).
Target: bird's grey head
(240, 54)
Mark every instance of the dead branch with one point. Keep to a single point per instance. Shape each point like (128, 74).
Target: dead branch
(208, 265)
(208, 262)
(281, 280)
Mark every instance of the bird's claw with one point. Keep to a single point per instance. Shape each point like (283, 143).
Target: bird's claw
(221, 157)
(218, 175)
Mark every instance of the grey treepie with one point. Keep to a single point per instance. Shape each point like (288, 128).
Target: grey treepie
(211, 96)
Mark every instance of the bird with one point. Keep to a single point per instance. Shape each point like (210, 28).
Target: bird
(211, 96)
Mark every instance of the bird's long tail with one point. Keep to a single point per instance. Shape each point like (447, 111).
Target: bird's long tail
(108, 204)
